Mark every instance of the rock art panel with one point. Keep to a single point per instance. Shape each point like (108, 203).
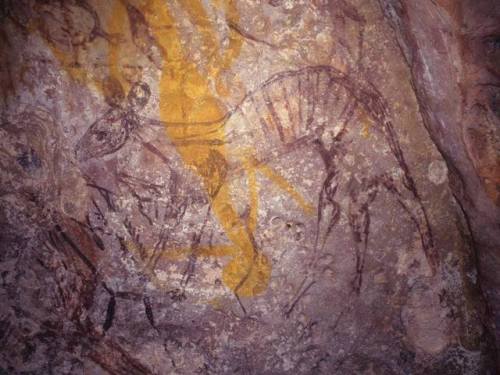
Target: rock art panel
(225, 187)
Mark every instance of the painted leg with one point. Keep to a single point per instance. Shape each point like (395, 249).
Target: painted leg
(411, 202)
(328, 211)
(359, 221)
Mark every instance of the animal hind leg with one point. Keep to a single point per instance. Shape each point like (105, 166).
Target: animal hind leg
(411, 202)
(404, 189)
(359, 221)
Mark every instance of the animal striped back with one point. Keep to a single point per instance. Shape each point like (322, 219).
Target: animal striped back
(290, 108)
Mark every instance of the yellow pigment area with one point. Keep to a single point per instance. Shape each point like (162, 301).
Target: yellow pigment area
(117, 22)
(185, 97)
(192, 112)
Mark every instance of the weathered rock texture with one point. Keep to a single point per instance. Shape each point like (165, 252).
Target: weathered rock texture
(453, 51)
(282, 187)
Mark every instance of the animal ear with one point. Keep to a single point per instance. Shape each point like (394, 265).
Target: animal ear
(114, 95)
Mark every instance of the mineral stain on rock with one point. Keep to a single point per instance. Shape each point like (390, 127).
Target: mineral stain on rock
(225, 187)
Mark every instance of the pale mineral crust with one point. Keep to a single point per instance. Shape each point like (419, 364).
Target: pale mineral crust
(249, 187)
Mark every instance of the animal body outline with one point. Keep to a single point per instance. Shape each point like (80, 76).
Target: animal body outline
(403, 188)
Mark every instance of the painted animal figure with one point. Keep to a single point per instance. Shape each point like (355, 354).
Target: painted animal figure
(322, 108)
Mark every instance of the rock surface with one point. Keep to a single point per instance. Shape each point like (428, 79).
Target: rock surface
(452, 49)
(218, 187)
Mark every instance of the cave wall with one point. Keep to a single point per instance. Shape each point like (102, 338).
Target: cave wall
(248, 187)
(452, 49)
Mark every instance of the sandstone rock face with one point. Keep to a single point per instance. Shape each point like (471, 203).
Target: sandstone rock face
(219, 187)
